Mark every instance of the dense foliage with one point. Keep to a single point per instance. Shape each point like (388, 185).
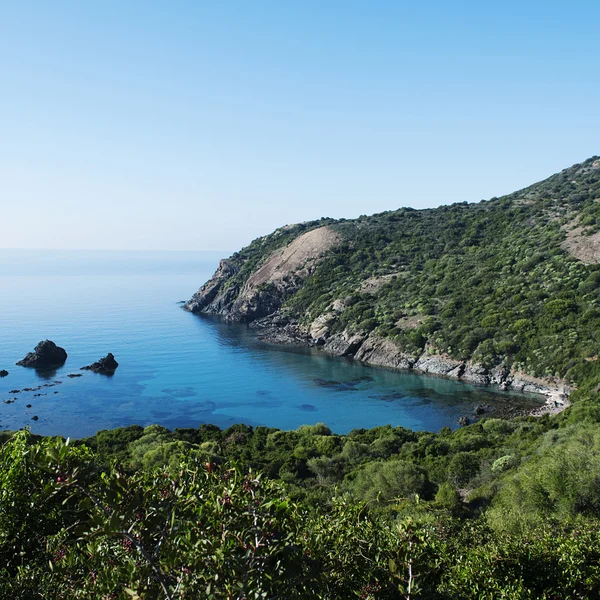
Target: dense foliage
(499, 509)
(490, 281)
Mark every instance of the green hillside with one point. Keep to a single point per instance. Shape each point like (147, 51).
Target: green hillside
(512, 281)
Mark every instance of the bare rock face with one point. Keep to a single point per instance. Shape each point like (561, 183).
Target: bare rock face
(319, 329)
(211, 297)
(476, 373)
(528, 384)
(264, 292)
(440, 365)
(45, 355)
(105, 366)
(280, 329)
(343, 344)
(384, 353)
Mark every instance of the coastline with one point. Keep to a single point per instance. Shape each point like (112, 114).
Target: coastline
(381, 352)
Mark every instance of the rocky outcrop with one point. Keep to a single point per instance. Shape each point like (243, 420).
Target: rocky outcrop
(265, 290)
(528, 384)
(381, 352)
(45, 355)
(475, 373)
(343, 344)
(377, 351)
(105, 366)
(215, 296)
(439, 364)
(280, 329)
(3, 373)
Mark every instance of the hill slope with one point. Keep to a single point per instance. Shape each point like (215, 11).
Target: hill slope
(495, 292)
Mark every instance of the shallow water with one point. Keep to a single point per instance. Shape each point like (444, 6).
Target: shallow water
(181, 370)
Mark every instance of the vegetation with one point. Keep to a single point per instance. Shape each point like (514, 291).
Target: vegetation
(499, 509)
(488, 281)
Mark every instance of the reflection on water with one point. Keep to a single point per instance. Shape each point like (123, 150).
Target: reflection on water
(181, 370)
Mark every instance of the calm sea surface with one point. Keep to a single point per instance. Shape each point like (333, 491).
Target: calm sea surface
(178, 369)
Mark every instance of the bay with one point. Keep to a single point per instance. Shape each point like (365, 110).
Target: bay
(181, 370)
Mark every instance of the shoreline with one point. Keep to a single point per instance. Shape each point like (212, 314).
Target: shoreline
(381, 352)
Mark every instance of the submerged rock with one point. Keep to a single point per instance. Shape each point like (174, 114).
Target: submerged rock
(3, 373)
(45, 354)
(104, 366)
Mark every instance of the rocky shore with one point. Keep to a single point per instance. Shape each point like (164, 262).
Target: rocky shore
(374, 350)
(258, 298)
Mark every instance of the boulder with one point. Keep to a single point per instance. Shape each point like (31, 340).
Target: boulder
(45, 355)
(438, 364)
(104, 366)
(384, 353)
(464, 421)
(476, 373)
(343, 344)
(3, 373)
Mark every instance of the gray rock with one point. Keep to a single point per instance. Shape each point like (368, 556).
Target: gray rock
(280, 329)
(384, 353)
(210, 297)
(343, 344)
(45, 355)
(499, 375)
(439, 365)
(105, 366)
(476, 373)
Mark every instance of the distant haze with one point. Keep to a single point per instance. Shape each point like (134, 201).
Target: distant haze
(202, 125)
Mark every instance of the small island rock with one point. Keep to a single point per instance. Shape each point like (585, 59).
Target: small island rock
(45, 354)
(105, 366)
(3, 373)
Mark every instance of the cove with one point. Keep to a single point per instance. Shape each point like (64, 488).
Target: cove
(181, 370)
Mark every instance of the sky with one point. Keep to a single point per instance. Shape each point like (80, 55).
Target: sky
(192, 125)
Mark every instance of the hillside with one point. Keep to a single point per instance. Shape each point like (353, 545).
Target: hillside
(502, 291)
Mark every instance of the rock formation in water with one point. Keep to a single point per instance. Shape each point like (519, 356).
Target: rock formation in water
(45, 355)
(3, 373)
(105, 366)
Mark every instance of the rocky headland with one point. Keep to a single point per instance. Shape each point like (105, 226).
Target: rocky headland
(501, 292)
(260, 303)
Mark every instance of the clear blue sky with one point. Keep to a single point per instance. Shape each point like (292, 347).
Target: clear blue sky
(201, 125)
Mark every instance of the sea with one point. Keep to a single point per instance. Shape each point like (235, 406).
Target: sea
(181, 370)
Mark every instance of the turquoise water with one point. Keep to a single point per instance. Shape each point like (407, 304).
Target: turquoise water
(178, 369)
